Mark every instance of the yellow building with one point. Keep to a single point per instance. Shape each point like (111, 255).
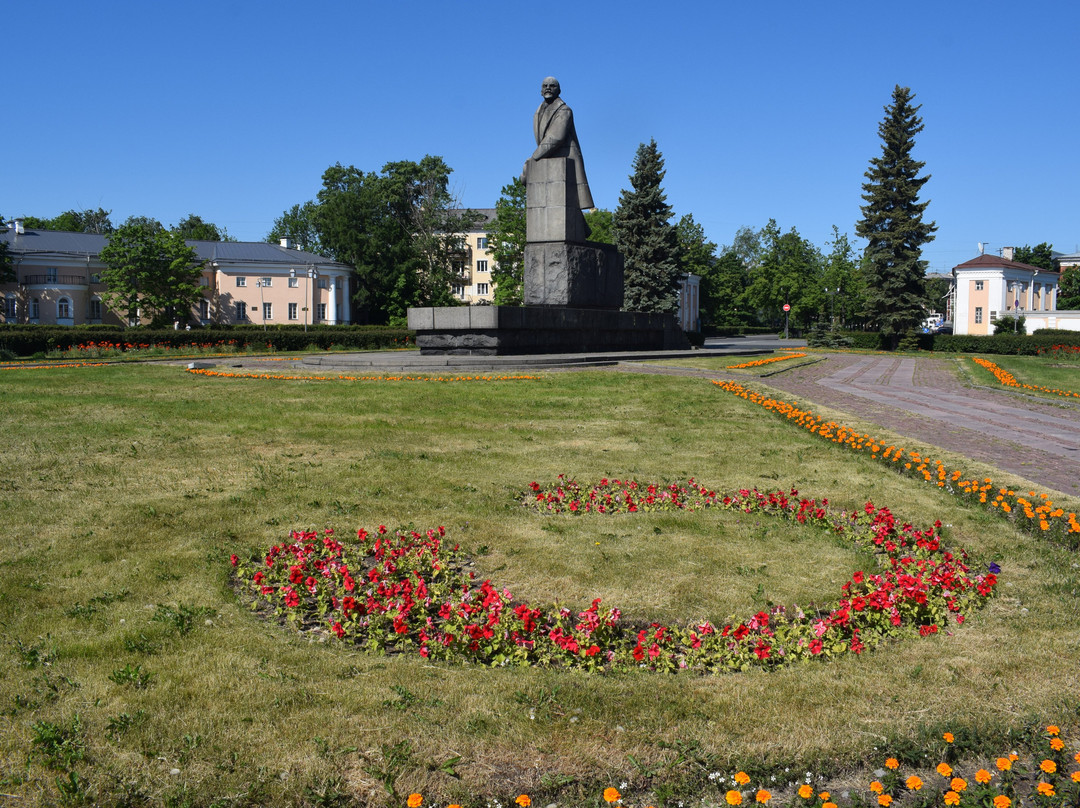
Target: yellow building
(58, 281)
(472, 283)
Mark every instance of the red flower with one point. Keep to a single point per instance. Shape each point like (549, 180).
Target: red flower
(234, 559)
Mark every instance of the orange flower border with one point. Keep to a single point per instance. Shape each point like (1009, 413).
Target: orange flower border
(1036, 515)
(759, 362)
(1008, 380)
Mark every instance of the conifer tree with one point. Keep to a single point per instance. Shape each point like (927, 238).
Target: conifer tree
(646, 238)
(892, 223)
(506, 244)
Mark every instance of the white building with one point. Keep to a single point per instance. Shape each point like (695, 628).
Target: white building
(989, 286)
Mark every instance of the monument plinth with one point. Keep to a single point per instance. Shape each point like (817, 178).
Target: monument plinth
(572, 288)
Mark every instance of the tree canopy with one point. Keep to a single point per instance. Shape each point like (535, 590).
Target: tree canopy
(892, 222)
(646, 238)
(150, 270)
(74, 221)
(397, 228)
(1069, 289)
(1041, 255)
(506, 245)
(193, 227)
(298, 223)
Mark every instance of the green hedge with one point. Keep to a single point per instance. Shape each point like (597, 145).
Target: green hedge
(1000, 344)
(27, 340)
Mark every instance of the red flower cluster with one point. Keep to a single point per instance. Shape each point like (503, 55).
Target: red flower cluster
(407, 590)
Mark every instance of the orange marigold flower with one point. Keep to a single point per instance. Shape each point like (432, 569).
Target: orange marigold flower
(1001, 801)
(892, 763)
(805, 791)
(1057, 744)
(414, 801)
(733, 797)
(877, 787)
(914, 782)
(944, 769)
(1076, 757)
(612, 795)
(1046, 789)
(1048, 766)
(958, 783)
(824, 796)
(1075, 776)
(523, 800)
(982, 776)
(949, 737)
(762, 796)
(1053, 730)
(742, 778)
(828, 805)
(952, 798)
(1003, 763)
(883, 799)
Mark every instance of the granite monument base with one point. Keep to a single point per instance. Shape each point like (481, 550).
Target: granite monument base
(587, 275)
(515, 330)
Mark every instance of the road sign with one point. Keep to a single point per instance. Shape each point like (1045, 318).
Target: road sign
(787, 307)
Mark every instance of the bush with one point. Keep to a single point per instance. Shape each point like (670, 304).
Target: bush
(27, 340)
(1006, 324)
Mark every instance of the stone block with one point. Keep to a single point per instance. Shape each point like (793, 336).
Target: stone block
(585, 275)
(551, 212)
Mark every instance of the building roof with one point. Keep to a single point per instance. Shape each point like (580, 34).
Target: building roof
(481, 226)
(89, 245)
(997, 262)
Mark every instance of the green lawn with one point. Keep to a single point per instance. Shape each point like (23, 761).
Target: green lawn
(125, 490)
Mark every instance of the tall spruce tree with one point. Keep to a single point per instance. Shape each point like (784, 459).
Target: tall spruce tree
(892, 223)
(647, 239)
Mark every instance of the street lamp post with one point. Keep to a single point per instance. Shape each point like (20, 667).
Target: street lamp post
(312, 274)
(262, 303)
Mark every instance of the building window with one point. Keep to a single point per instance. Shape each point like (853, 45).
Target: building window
(10, 308)
(482, 288)
(241, 280)
(268, 311)
(978, 312)
(978, 286)
(294, 283)
(95, 308)
(50, 275)
(481, 266)
(63, 309)
(204, 309)
(241, 310)
(292, 311)
(324, 283)
(481, 242)
(204, 281)
(267, 282)
(320, 312)
(35, 309)
(458, 290)
(95, 277)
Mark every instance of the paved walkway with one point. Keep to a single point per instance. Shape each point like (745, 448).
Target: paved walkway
(924, 399)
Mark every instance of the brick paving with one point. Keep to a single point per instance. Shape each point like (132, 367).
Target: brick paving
(924, 399)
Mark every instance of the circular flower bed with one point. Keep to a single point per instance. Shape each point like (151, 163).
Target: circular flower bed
(406, 590)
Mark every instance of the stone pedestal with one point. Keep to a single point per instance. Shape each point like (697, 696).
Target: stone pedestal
(515, 330)
(551, 205)
(588, 276)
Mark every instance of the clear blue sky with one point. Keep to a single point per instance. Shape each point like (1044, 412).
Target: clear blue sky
(232, 110)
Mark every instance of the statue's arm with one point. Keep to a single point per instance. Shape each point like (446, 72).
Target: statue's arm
(557, 133)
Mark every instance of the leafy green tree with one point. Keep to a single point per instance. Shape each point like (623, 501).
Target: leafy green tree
(845, 288)
(298, 223)
(600, 222)
(789, 271)
(1041, 255)
(723, 285)
(893, 223)
(646, 238)
(74, 221)
(193, 227)
(397, 228)
(1069, 289)
(145, 222)
(152, 270)
(7, 266)
(506, 245)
